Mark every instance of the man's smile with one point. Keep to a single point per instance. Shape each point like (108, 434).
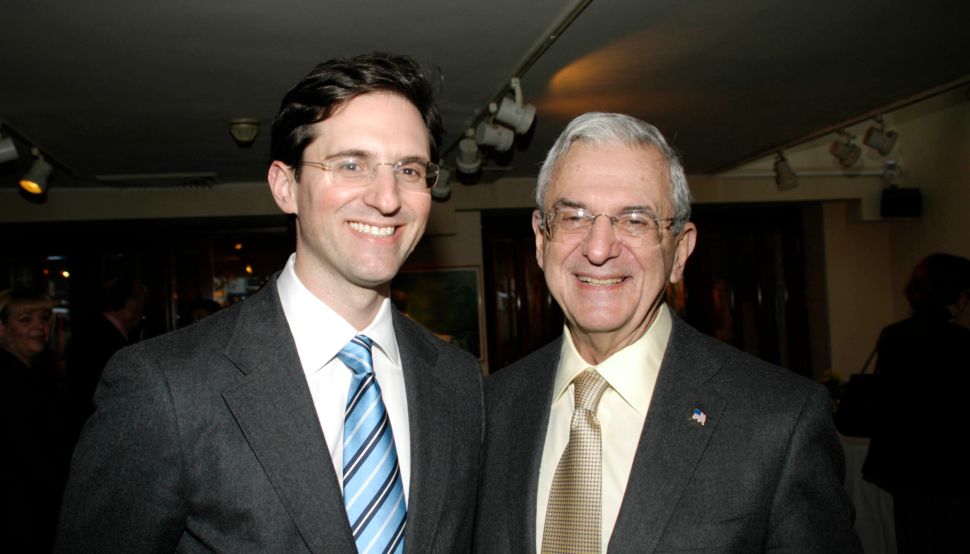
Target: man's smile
(372, 230)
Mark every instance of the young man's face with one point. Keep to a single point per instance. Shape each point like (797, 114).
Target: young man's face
(357, 237)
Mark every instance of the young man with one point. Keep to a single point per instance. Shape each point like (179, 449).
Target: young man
(634, 432)
(262, 428)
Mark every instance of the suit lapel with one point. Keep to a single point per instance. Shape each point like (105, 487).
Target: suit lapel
(274, 410)
(531, 403)
(671, 442)
(428, 416)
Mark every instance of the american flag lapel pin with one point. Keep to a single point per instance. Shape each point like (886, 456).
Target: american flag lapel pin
(699, 416)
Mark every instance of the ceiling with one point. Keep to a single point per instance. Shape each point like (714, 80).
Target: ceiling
(123, 93)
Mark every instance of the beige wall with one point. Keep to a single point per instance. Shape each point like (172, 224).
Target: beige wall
(936, 157)
(868, 263)
(859, 285)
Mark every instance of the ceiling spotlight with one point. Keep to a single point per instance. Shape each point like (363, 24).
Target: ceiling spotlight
(498, 137)
(513, 111)
(35, 180)
(879, 139)
(469, 158)
(785, 178)
(845, 151)
(442, 189)
(8, 151)
(244, 131)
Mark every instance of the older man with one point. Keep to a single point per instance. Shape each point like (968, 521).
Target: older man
(634, 432)
(312, 417)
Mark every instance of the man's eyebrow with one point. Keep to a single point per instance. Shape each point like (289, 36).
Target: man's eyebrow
(568, 203)
(356, 153)
(351, 153)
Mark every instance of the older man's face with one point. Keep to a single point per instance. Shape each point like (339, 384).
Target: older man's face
(608, 285)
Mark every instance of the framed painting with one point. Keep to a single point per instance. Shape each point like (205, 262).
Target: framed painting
(448, 301)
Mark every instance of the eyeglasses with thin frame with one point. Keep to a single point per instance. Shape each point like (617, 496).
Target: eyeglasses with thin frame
(566, 223)
(411, 174)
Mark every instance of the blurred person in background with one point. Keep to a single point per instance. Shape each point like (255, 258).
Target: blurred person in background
(33, 469)
(923, 366)
(97, 337)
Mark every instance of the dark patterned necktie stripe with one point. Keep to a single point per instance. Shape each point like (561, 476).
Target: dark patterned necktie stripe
(385, 491)
(358, 394)
(373, 490)
(378, 437)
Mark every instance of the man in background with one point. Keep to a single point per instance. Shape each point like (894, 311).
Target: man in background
(95, 339)
(634, 432)
(311, 417)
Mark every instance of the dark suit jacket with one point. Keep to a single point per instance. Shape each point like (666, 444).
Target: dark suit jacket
(94, 340)
(31, 467)
(763, 474)
(206, 439)
(923, 376)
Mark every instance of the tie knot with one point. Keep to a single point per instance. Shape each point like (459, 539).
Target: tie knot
(357, 355)
(588, 388)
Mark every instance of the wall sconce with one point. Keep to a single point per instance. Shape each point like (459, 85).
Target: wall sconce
(8, 151)
(845, 151)
(35, 181)
(879, 139)
(244, 131)
(785, 178)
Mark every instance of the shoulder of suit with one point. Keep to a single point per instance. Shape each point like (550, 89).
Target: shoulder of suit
(193, 343)
(740, 372)
(545, 359)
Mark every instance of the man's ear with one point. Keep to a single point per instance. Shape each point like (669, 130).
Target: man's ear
(682, 251)
(283, 185)
(540, 237)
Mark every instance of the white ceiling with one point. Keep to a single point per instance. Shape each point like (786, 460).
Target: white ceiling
(131, 93)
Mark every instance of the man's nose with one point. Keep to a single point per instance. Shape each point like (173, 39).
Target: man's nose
(601, 243)
(383, 191)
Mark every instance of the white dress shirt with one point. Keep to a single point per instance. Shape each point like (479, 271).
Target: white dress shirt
(319, 334)
(632, 374)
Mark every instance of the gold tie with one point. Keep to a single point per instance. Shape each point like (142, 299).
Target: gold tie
(573, 517)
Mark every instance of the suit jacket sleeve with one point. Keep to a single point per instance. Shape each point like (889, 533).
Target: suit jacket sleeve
(810, 512)
(123, 492)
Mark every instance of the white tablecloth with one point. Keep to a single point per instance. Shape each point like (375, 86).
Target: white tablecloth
(874, 506)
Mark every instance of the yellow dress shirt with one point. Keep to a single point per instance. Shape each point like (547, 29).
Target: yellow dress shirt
(632, 374)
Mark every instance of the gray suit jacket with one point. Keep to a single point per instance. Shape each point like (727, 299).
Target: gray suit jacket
(763, 474)
(206, 439)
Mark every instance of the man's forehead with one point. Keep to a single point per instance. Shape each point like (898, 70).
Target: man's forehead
(624, 174)
(379, 115)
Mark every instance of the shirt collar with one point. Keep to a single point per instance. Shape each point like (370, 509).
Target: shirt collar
(319, 332)
(117, 323)
(631, 372)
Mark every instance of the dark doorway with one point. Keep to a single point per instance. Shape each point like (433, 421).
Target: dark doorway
(520, 314)
(746, 283)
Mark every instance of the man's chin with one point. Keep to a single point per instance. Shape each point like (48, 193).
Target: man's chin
(379, 281)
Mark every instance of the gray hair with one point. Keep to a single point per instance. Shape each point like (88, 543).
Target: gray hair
(601, 128)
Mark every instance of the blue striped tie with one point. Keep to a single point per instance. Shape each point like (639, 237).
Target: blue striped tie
(373, 492)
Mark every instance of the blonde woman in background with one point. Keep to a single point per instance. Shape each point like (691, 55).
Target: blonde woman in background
(32, 470)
